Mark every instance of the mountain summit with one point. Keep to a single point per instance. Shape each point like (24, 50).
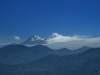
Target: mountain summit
(34, 40)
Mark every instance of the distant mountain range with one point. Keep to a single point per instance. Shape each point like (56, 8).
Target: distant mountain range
(85, 63)
(37, 40)
(16, 54)
(18, 59)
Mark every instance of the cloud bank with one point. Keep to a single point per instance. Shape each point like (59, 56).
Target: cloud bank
(56, 41)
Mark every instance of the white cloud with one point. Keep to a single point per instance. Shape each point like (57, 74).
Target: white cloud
(58, 41)
(16, 37)
(60, 38)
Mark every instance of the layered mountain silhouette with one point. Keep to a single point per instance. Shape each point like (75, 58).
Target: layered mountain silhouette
(16, 54)
(85, 63)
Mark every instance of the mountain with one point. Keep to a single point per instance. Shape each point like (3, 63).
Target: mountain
(16, 54)
(80, 50)
(65, 51)
(35, 40)
(86, 63)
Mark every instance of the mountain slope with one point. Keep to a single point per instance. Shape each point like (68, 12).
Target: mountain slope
(86, 63)
(80, 50)
(16, 54)
(6, 69)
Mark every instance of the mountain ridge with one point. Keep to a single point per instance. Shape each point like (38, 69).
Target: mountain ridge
(85, 63)
(16, 54)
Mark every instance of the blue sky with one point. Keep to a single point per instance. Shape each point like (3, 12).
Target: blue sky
(25, 18)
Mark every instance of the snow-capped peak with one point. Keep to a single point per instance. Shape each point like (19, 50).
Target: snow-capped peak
(35, 37)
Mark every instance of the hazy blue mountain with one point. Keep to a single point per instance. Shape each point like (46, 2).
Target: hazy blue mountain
(16, 54)
(86, 63)
(80, 50)
(65, 51)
